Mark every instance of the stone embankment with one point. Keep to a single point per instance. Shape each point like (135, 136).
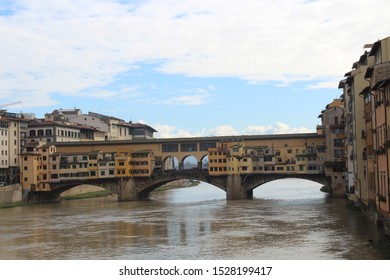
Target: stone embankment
(11, 194)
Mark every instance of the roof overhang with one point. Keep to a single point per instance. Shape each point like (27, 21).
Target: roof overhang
(380, 84)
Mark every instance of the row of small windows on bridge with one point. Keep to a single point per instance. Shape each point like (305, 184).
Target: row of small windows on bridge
(76, 175)
(267, 159)
(122, 163)
(267, 168)
(49, 132)
(187, 147)
(132, 171)
(277, 152)
(102, 173)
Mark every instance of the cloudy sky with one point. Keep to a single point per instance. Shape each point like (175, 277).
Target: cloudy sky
(185, 67)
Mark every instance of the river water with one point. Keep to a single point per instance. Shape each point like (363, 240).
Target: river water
(287, 219)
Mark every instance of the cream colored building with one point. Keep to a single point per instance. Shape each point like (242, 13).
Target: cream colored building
(51, 131)
(333, 126)
(4, 164)
(13, 137)
(353, 86)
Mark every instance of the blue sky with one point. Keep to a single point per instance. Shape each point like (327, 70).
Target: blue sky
(185, 67)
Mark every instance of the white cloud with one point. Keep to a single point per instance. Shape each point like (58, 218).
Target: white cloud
(190, 97)
(278, 128)
(223, 130)
(328, 84)
(168, 131)
(74, 46)
(184, 97)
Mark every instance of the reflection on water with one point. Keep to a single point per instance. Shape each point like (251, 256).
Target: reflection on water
(287, 219)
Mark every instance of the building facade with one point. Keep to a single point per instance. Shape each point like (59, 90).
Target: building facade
(13, 138)
(366, 91)
(378, 76)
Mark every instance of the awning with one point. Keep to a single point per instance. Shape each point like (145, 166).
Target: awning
(369, 72)
(374, 48)
(380, 84)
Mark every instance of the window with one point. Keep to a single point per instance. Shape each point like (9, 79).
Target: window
(338, 142)
(206, 146)
(170, 148)
(189, 147)
(338, 152)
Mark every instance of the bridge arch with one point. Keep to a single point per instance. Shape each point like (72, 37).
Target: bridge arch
(290, 189)
(146, 191)
(170, 162)
(204, 161)
(189, 162)
(252, 182)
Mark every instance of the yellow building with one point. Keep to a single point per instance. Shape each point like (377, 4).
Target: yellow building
(30, 165)
(292, 157)
(355, 126)
(218, 160)
(35, 172)
(142, 163)
(130, 163)
(123, 166)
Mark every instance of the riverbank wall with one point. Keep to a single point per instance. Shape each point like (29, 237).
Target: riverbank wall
(11, 194)
(374, 217)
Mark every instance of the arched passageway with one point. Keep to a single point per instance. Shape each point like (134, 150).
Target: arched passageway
(190, 163)
(170, 163)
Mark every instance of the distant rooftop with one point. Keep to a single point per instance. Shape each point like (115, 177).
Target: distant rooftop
(61, 111)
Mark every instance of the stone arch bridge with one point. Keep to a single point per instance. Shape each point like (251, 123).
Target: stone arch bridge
(137, 188)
